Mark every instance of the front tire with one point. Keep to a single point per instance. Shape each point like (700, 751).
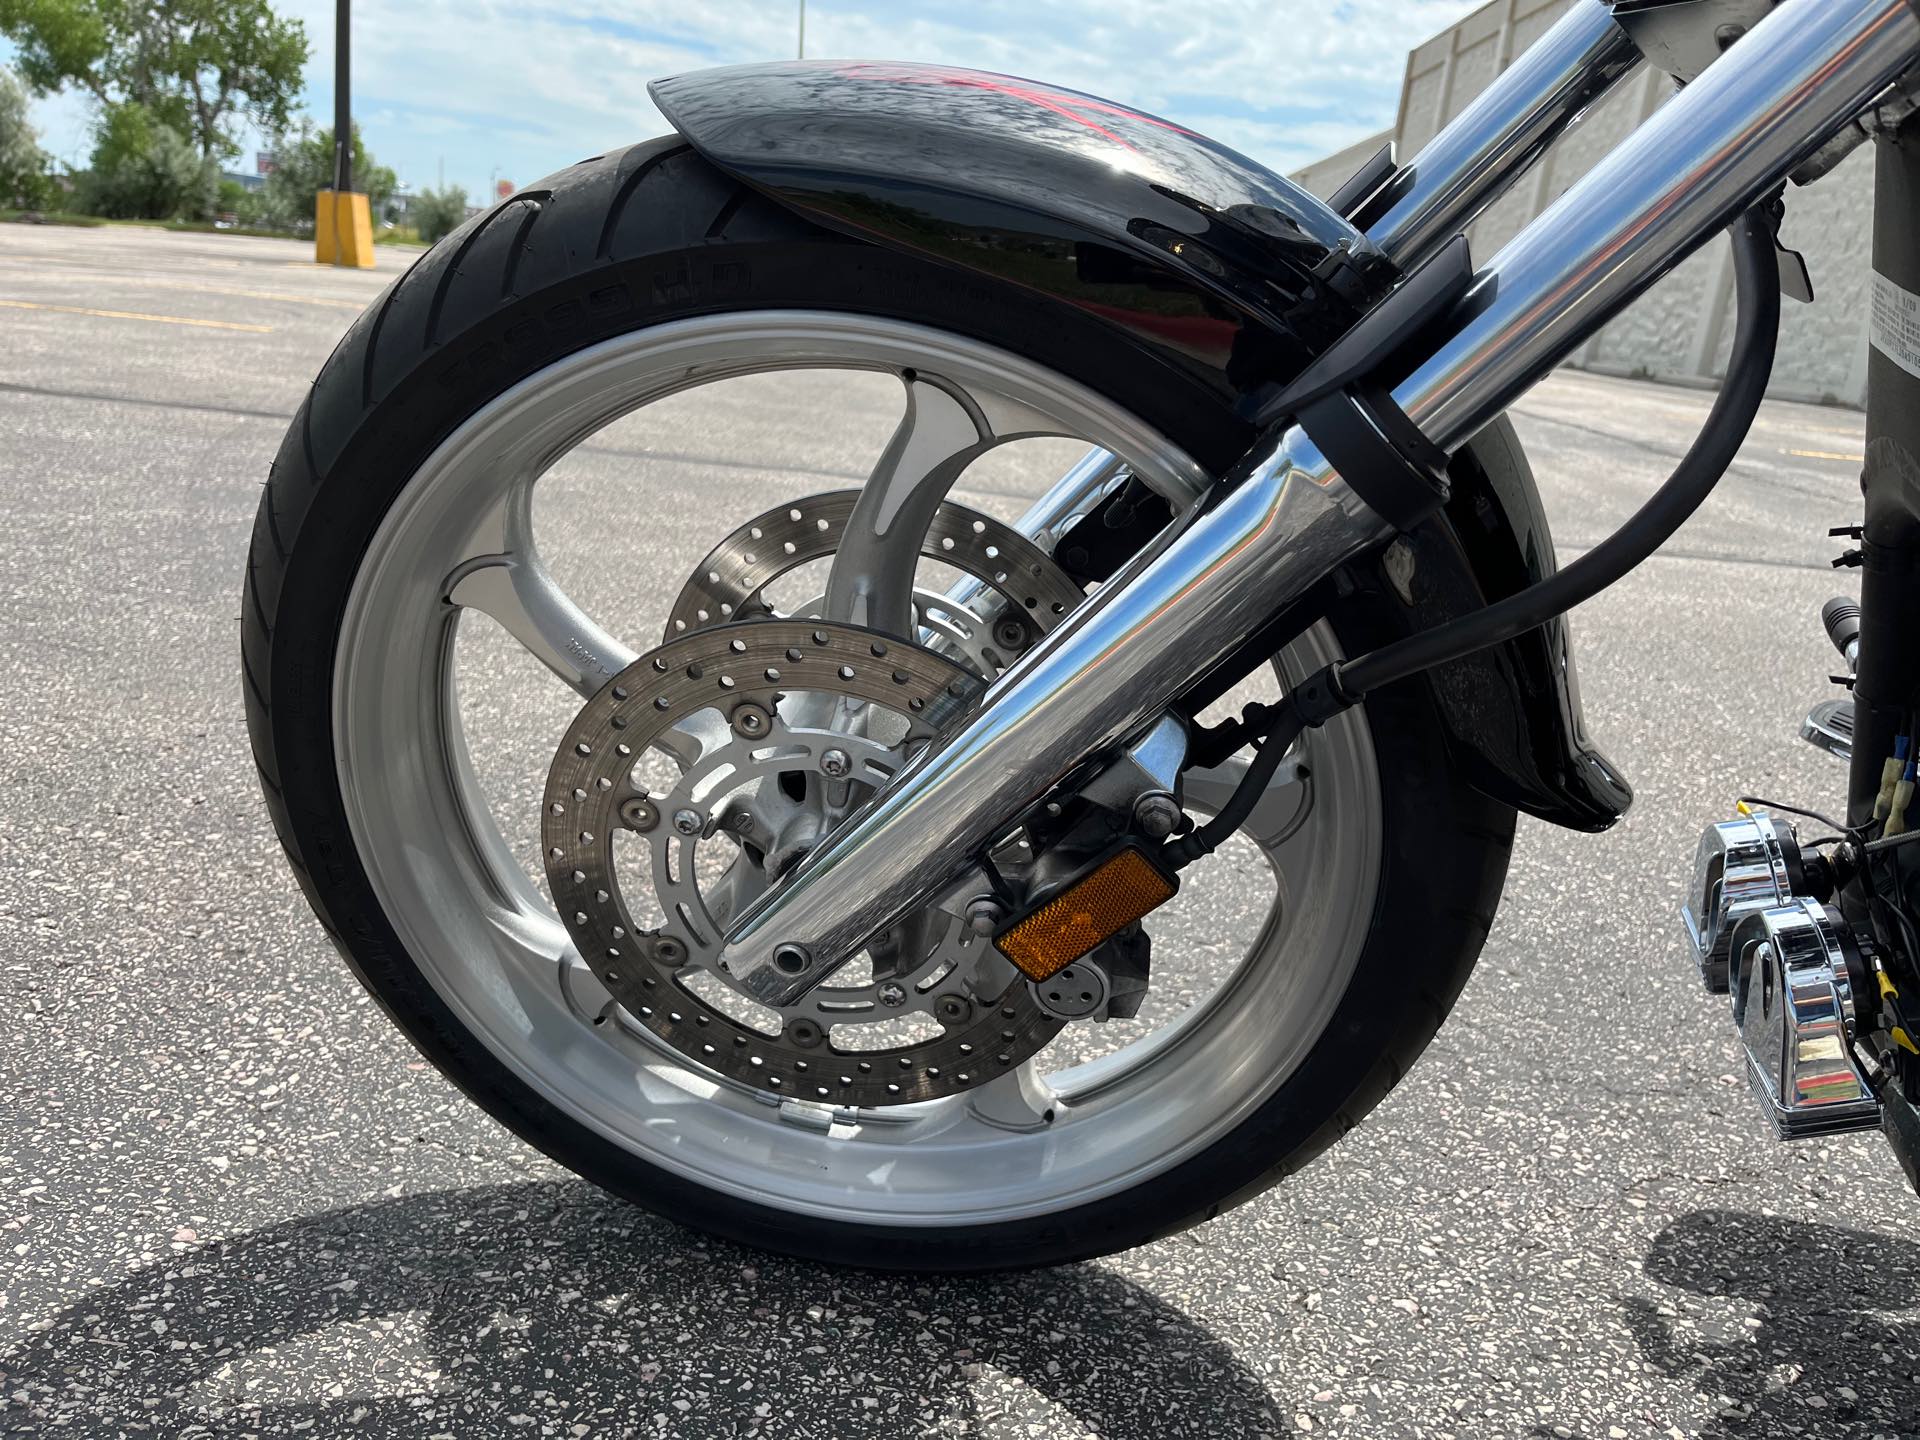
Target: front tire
(652, 237)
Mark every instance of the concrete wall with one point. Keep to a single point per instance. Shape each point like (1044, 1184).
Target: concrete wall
(1681, 330)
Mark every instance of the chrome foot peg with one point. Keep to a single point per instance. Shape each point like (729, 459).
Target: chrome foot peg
(1741, 868)
(1792, 987)
(1829, 727)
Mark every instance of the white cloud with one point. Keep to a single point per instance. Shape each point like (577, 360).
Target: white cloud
(527, 88)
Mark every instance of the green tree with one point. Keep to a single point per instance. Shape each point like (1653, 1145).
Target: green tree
(436, 214)
(144, 169)
(196, 66)
(23, 164)
(303, 166)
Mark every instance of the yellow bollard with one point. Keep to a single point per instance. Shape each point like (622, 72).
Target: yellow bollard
(342, 229)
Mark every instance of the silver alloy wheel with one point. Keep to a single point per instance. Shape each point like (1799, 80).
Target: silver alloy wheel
(497, 954)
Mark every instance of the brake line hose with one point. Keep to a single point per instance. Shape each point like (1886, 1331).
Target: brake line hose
(1344, 684)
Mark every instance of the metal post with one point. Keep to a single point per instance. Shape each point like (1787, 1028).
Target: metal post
(342, 102)
(1887, 680)
(342, 221)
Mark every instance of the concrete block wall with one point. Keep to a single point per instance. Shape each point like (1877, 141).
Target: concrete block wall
(1680, 331)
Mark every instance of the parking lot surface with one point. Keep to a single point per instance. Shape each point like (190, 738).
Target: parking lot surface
(236, 1202)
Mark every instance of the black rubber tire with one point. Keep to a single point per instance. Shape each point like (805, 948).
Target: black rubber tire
(655, 233)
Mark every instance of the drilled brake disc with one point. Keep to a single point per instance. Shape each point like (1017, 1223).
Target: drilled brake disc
(732, 680)
(728, 584)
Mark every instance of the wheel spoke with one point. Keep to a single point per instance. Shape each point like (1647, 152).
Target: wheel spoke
(871, 582)
(1021, 1099)
(502, 576)
(516, 590)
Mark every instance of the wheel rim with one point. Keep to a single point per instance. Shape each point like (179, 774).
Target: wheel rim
(496, 953)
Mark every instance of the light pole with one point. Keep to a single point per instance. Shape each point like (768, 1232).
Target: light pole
(342, 100)
(342, 218)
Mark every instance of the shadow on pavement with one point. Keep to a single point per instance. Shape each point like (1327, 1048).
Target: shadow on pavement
(460, 1312)
(1822, 1359)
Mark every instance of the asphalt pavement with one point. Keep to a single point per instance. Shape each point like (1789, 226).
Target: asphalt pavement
(233, 1201)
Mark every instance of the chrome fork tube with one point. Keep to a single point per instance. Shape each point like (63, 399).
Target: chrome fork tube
(1491, 143)
(1072, 497)
(1106, 670)
(1714, 150)
(1286, 520)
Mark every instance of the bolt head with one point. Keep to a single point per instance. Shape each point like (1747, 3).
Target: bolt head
(668, 950)
(805, 1033)
(892, 995)
(751, 721)
(984, 915)
(1010, 632)
(836, 763)
(687, 822)
(639, 813)
(954, 1009)
(1157, 814)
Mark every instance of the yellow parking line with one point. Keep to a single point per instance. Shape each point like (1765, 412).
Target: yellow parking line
(154, 282)
(253, 294)
(137, 315)
(1826, 455)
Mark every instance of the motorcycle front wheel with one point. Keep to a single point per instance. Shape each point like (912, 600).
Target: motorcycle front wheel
(621, 283)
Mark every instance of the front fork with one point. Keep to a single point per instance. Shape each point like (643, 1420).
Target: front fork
(1312, 497)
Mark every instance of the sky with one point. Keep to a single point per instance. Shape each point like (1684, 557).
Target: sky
(477, 90)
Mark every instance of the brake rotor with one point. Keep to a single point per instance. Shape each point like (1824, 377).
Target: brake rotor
(723, 687)
(1035, 593)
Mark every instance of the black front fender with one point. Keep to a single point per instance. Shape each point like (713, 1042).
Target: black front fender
(1204, 258)
(1512, 713)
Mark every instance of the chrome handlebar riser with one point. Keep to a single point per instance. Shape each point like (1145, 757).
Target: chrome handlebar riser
(1286, 520)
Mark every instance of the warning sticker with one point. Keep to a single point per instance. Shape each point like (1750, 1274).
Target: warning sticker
(1896, 324)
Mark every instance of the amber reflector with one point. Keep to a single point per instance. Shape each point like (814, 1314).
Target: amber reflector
(1100, 904)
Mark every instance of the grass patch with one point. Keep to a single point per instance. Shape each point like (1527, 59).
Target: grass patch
(50, 217)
